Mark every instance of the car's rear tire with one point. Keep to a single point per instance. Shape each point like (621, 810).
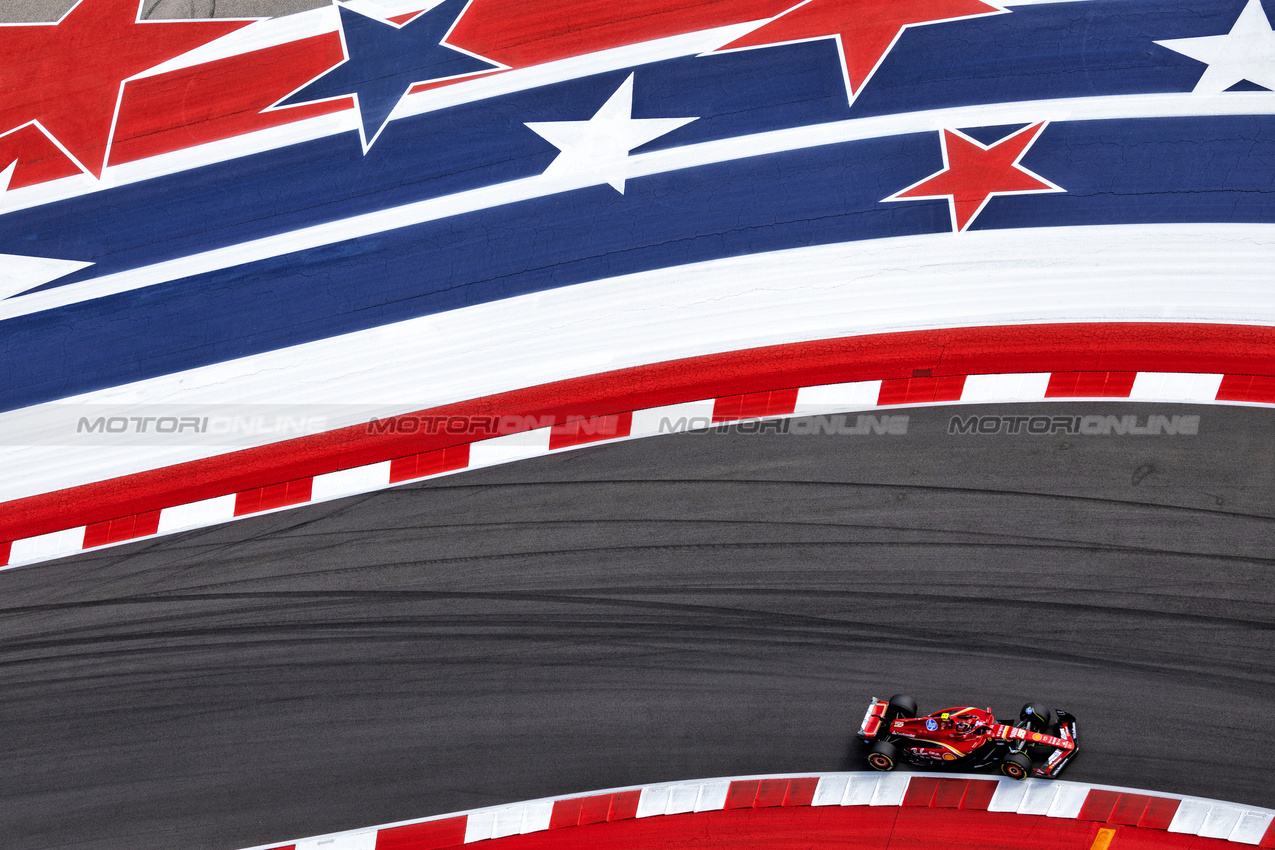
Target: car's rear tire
(901, 705)
(1037, 717)
(882, 755)
(1016, 766)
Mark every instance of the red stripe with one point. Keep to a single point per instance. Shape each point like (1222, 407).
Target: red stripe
(1226, 349)
(432, 835)
(801, 792)
(921, 389)
(1090, 384)
(920, 791)
(771, 792)
(624, 805)
(1254, 388)
(1129, 809)
(566, 813)
(755, 405)
(124, 528)
(579, 431)
(742, 793)
(1098, 805)
(519, 33)
(949, 793)
(1159, 813)
(979, 794)
(429, 463)
(273, 496)
(5, 548)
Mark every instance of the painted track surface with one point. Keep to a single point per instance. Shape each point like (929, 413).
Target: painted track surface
(691, 605)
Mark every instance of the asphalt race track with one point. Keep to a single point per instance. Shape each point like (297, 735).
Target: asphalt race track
(683, 606)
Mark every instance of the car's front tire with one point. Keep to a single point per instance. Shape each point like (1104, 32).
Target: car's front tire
(882, 755)
(1038, 718)
(1016, 766)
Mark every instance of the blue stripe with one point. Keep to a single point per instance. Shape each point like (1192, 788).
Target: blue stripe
(1114, 171)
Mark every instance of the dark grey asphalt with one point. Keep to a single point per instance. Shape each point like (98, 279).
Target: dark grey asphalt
(52, 10)
(677, 607)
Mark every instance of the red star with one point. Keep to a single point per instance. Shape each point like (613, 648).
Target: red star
(865, 29)
(975, 172)
(69, 76)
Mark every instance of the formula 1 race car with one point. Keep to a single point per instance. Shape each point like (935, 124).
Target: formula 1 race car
(967, 738)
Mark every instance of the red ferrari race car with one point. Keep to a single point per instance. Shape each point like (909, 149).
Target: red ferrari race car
(1039, 743)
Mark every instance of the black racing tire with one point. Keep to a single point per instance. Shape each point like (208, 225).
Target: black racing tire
(1037, 717)
(901, 705)
(882, 755)
(1016, 766)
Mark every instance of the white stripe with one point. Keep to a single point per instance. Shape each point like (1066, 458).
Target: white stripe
(46, 547)
(1038, 797)
(1220, 821)
(830, 790)
(860, 789)
(689, 156)
(1251, 828)
(712, 796)
(1028, 386)
(1070, 800)
(197, 514)
(838, 398)
(891, 788)
(1190, 816)
(682, 799)
(1009, 796)
(347, 482)
(510, 447)
(653, 801)
(536, 816)
(1165, 386)
(672, 418)
(480, 825)
(343, 841)
(982, 278)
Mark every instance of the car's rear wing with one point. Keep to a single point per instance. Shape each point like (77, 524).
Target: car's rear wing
(1059, 757)
(873, 719)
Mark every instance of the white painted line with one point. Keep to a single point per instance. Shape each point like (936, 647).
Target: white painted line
(348, 482)
(1070, 800)
(46, 547)
(197, 514)
(837, 398)
(1008, 797)
(672, 418)
(510, 447)
(1190, 816)
(891, 787)
(1172, 386)
(1027, 386)
(860, 789)
(1038, 797)
(830, 790)
(682, 799)
(712, 796)
(345, 841)
(653, 801)
(536, 816)
(1251, 828)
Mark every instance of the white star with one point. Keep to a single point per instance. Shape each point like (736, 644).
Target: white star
(1247, 52)
(599, 148)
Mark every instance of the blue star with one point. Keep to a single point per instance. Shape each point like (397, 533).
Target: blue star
(384, 60)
